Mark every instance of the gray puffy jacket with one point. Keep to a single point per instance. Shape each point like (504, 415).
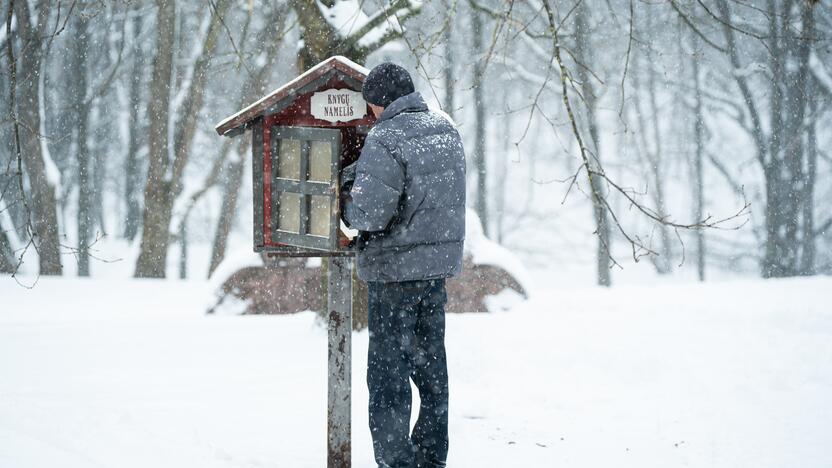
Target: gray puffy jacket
(408, 199)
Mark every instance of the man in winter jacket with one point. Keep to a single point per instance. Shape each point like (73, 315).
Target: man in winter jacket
(407, 201)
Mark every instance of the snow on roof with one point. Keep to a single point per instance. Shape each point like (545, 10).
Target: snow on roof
(338, 62)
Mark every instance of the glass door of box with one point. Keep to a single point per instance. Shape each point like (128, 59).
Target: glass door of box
(305, 164)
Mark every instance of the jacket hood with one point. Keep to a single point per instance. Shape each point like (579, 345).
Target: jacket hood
(412, 102)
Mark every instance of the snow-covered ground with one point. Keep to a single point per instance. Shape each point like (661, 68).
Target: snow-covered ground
(126, 373)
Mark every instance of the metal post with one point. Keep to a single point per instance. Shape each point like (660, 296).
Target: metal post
(339, 305)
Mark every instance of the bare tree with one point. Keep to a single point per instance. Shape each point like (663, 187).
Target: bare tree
(321, 38)
(233, 173)
(164, 182)
(780, 145)
(650, 148)
(25, 110)
(158, 191)
(136, 126)
(228, 209)
(81, 107)
(698, 175)
(584, 55)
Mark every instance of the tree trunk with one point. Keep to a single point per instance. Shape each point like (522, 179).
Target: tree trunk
(161, 204)
(233, 183)
(781, 151)
(250, 91)
(480, 157)
(360, 301)
(132, 169)
(807, 265)
(501, 182)
(698, 177)
(317, 36)
(583, 53)
(320, 41)
(186, 126)
(649, 148)
(775, 186)
(183, 249)
(82, 111)
(42, 202)
(157, 194)
(662, 262)
(7, 259)
(785, 176)
(99, 151)
(797, 151)
(448, 69)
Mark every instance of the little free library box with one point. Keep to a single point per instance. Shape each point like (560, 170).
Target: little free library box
(302, 134)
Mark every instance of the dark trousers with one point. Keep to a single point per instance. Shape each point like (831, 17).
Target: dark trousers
(407, 341)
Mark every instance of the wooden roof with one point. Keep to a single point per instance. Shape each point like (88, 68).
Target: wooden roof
(235, 124)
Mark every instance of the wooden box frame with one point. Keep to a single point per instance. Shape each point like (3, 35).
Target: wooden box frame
(304, 187)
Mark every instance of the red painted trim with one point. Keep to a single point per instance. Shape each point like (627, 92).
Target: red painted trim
(267, 182)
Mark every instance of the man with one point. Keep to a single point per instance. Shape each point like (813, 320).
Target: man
(407, 201)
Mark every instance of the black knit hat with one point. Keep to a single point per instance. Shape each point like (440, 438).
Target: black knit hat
(386, 83)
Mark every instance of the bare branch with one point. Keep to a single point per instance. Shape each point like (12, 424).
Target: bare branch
(693, 27)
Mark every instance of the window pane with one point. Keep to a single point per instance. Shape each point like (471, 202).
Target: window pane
(319, 212)
(320, 161)
(288, 218)
(288, 160)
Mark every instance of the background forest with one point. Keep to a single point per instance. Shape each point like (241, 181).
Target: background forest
(692, 135)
